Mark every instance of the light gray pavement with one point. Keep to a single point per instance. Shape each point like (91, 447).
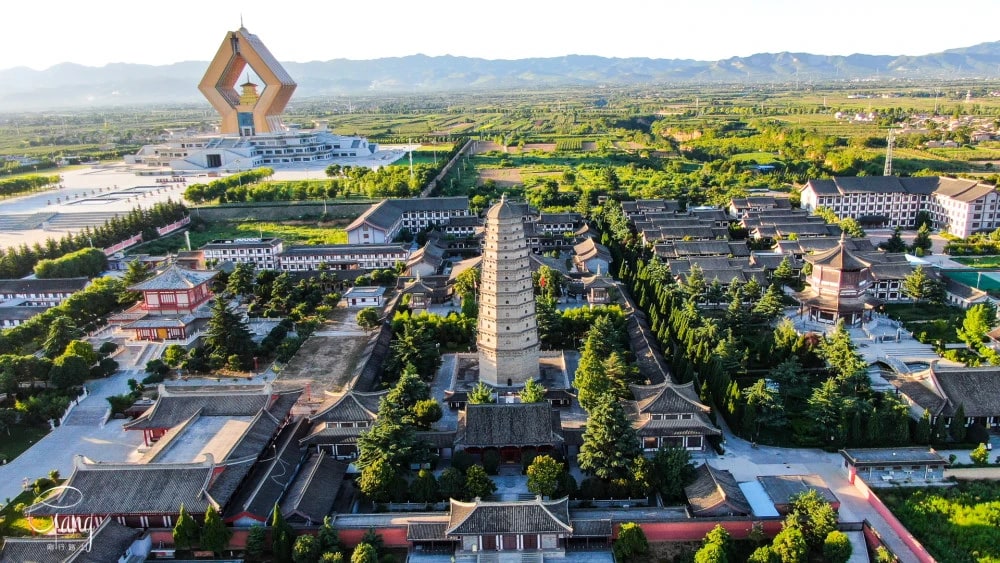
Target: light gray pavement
(746, 463)
(82, 434)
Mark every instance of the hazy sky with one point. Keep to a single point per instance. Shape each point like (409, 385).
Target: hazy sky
(41, 33)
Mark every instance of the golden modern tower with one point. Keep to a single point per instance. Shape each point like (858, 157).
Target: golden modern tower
(507, 331)
(246, 115)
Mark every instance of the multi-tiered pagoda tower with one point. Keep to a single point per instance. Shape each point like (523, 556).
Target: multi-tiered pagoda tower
(508, 332)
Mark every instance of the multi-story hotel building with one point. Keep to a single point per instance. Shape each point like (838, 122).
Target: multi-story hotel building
(959, 206)
(383, 221)
(261, 252)
(343, 257)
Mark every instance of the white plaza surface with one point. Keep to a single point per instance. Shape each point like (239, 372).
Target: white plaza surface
(90, 196)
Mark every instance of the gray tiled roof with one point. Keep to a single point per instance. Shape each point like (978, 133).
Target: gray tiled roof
(385, 213)
(173, 407)
(715, 492)
(270, 477)
(667, 398)
(54, 285)
(107, 543)
(345, 249)
(127, 488)
(352, 406)
(782, 488)
(325, 433)
(314, 490)
(426, 531)
(175, 277)
(977, 389)
(591, 528)
(20, 313)
(510, 517)
(520, 424)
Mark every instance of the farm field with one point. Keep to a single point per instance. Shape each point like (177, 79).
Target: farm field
(297, 232)
(956, 524)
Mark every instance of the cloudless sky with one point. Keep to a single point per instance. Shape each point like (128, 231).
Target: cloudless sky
(41, 33)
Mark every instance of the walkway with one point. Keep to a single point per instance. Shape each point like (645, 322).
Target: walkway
(746, 463)
(82, 434)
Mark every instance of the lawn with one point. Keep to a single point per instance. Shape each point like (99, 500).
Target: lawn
(15, 524)
(907, 312)
(957, 524)
(292, 233)
(978, 261)
(21, 438)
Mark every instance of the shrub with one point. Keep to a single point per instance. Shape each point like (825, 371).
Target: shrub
(593, 488)
(631, 542)
(491, 461)
(980, 455)
(462, 461)
(837, 547)
(107, 348)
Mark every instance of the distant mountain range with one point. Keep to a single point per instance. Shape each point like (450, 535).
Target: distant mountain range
(69, 85)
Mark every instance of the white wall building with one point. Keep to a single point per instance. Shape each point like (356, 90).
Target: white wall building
(959, 206)
(343, 257)
(261, 252)
(383, 221)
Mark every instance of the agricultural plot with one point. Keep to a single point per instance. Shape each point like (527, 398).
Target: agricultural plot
(956, 524)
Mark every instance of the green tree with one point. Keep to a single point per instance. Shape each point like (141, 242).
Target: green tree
(241, 279)
(716, 547)
(762, 408)
(980, 455)
(790, 546)
(784, 274)
(481, 394)
(978, 321)
(895, 242)
(364, 553)
(549, 322)
(544, 474)
(256, 542)
(399, 403)
(368, 318)
(532, 392)
(673, 471)
(694, 282)
(426, 413)
(824, 411)
(957, 428)
(851, 226)
(83, 349)
(69, 371)
(135, 272)
(328, 538)
(478, 483)
(847, 365)
(922, 432)
(62, 331)
(770, 306)
(452, 484)
(185, 530)
(467, 283)
(764, 554)
(378, 480)
(837, 547)
(813, 516)
(282, 537)
(918, 286)
(306, 549)
(631, 543)
(922, 241)
(609, 441)
(711, 553)
(228, 335)
(415, 345)
(174, 355)
(332, 557)
(215, 534)
(425, 487)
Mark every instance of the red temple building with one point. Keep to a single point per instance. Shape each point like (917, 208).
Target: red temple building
(172, 307)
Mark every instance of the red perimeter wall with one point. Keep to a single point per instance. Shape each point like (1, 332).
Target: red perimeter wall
(898, 528)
